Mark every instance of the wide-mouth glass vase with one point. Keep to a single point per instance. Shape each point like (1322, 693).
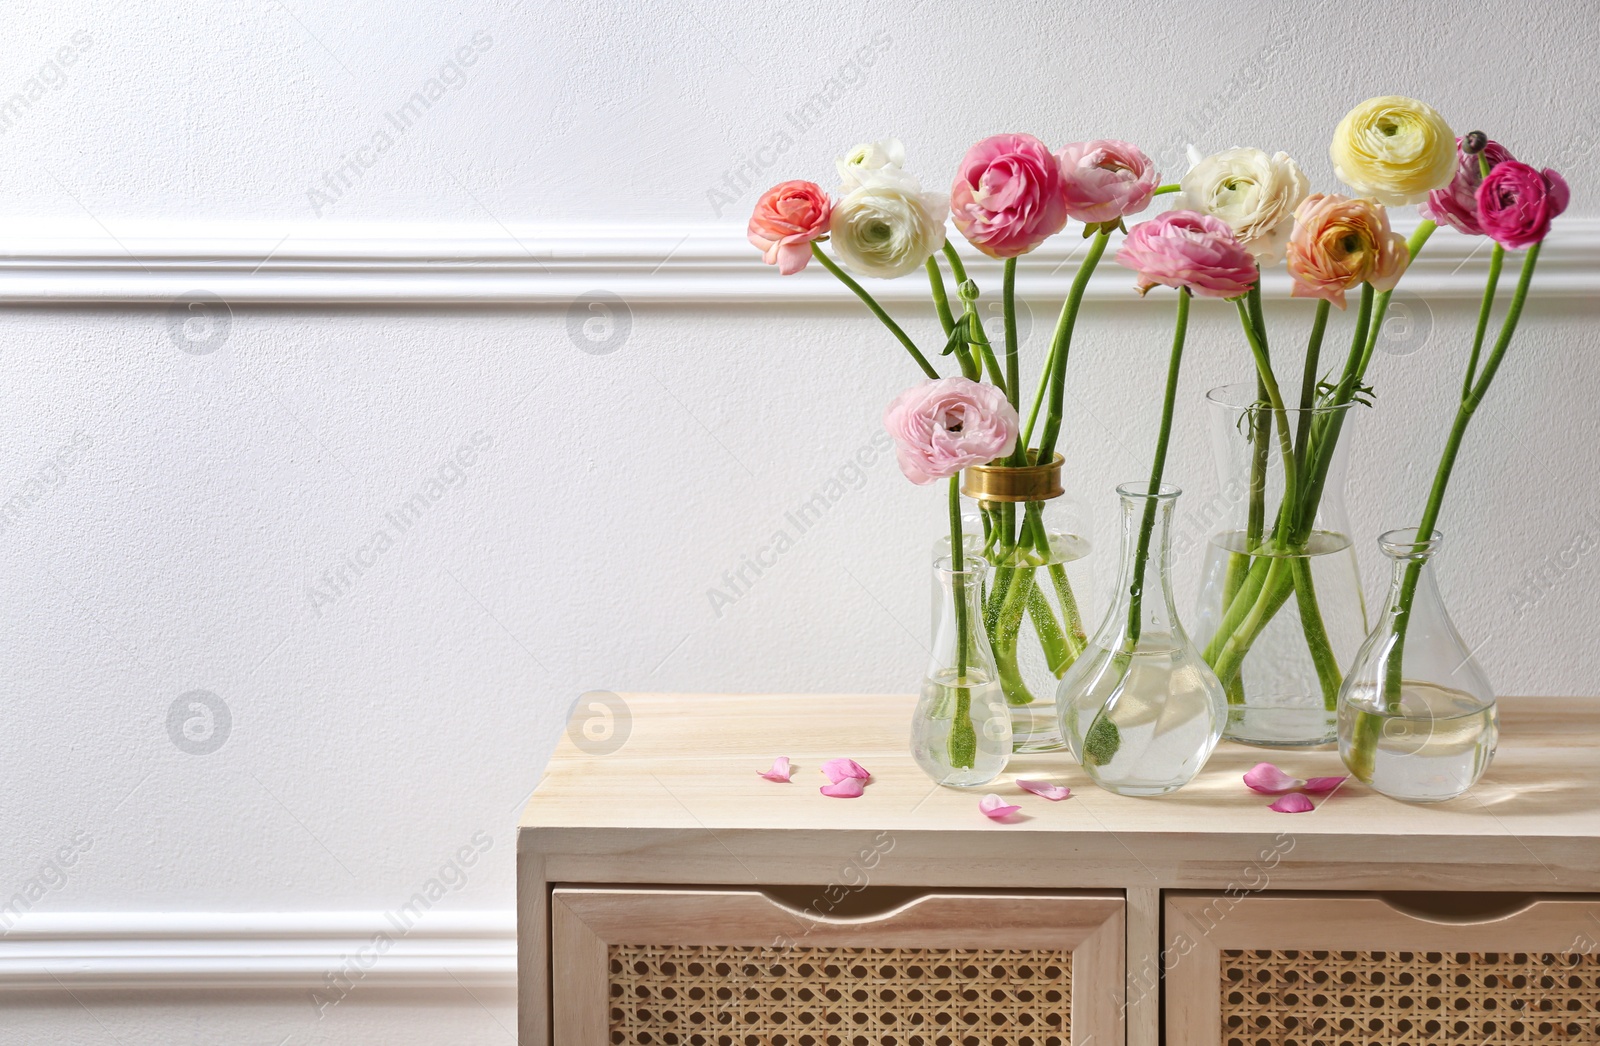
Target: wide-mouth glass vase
(1140, 709)
(1034, 536)
(961, 729)
(1418, 719)
(1280, 613)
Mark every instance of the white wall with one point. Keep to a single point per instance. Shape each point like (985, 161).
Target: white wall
(376, 736)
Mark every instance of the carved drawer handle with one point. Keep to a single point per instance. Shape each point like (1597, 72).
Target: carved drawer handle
(1455, 908)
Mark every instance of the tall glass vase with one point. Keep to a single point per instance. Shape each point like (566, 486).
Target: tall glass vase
(961, 729)
(1034, 537)
(1418, 719)
(1280, 613)
(1140, 708)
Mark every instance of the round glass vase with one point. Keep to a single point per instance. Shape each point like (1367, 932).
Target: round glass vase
(1140, 709)
(1034, 538)
(1280, 614)
(1417, 718)
(961, 729)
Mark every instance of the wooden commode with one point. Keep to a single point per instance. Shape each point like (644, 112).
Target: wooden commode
(670, 896)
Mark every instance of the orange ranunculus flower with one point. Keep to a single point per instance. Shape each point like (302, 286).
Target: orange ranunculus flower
(1339, 243)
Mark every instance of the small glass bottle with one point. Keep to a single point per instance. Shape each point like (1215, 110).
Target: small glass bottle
(1427, 731)
(1140, 708)
(961, 730)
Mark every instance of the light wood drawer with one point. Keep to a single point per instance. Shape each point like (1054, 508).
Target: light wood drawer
(731, 967)
(1380, 970)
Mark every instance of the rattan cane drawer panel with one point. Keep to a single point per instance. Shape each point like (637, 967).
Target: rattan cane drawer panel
(804, 996)
(1360, 970)
(730, 967)
(1357, 998)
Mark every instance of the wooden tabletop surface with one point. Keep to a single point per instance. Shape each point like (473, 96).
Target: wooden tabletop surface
(680, 800)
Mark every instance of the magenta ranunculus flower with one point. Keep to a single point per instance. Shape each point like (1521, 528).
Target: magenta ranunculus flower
(1188, 249)
(786, 219)
(942, 426)
(1008, 195)
(1106, 179)
(1516, 203)
(1456, 205)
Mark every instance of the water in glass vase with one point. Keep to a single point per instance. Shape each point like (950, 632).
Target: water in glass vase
(959, 736)
(1433, 746)
(1140, 709)
(961, 729)
(1145, 723)
(1277, 699)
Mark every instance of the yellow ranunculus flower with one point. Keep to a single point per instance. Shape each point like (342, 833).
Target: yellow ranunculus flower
(1394, 149)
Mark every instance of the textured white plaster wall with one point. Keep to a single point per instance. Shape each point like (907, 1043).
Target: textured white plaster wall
(374, 734)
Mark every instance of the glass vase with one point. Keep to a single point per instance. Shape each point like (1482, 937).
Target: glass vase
(1034, 538)
(1280, 614)
(1417, 720)
(961, 730)
(1140, 709)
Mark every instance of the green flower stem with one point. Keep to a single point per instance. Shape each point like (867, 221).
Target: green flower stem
(1274, 397)
(1008, 303)
(1058, 654)
(1316, 633)
(957, 565)
(963, 743)
(1162, 190)
(1325, 441)
(1441, 478)
(1277, 583)
(1497, 260)
(1071, 618)
(1008, 625)
(1060, 345)
(1141, 553)
(877, 310)
(941, 300)
(1233, 617)
(1308, 382)
(970, 368)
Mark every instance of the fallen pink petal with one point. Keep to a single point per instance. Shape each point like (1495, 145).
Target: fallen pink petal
(1319, 785)
(780, 770)
(837, 770)
(1053, 792)
(996, 808)
(844, 788)
(1293, 803)
(1269, 780)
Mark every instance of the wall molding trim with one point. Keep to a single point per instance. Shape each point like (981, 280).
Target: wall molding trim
(264, 263)
(278, 950)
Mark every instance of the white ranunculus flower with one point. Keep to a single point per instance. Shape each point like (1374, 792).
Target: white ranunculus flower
(1254, 193)
(873, 163)
(886, 230)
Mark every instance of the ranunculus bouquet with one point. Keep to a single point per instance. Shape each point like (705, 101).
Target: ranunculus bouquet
(1235, 212)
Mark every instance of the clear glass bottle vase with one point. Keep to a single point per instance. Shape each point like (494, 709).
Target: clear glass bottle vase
(1034, 537)
(1280, 614)
(1140, 709)
(961, 729)
(1417, 719)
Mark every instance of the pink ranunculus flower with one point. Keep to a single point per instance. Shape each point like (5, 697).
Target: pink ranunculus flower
(786, 219)
(942, 426)
(1339, 243)
(1456, 205)
(1516, 203)
(1106, 179)
(1008, 195)
(1188, 249)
